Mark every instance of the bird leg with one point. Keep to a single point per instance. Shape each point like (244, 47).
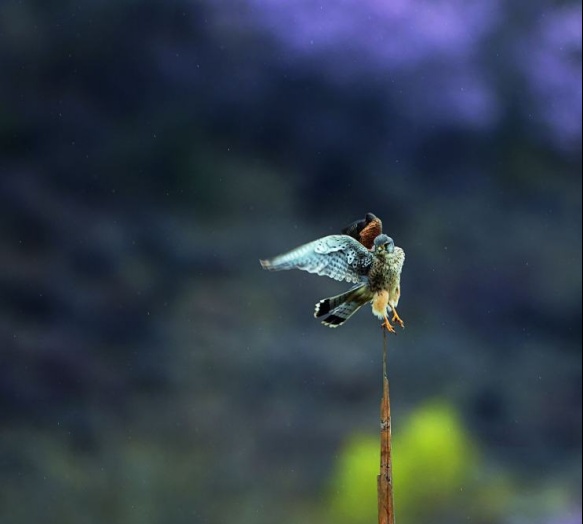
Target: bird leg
(396, 318)
(386, 324)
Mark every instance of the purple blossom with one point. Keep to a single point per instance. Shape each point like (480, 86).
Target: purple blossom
(443, 62)
(396, 34)
(422, 45)
(553, 70)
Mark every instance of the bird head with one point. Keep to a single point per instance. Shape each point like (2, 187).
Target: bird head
(384, 243)
(369, 217)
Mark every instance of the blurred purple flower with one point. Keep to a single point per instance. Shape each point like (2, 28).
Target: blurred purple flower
(434, 40)
(552, 65)
(443, 62)
(400, 33)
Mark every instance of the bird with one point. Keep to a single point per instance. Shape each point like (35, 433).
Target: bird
(365, 230)
(375, 273)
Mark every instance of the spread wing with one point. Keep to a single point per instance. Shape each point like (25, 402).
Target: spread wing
(336, 256)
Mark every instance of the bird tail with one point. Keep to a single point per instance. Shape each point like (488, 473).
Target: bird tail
(341, 307)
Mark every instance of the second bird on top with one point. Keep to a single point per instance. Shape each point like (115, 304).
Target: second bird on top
(364, 256)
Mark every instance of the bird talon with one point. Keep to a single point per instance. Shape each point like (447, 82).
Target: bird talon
(386, 324)
(396, 318)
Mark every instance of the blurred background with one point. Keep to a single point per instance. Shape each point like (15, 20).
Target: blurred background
(152, 151)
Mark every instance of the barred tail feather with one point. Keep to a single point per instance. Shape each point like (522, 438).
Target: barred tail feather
(341, 307)
(342, 313)
(328, 304)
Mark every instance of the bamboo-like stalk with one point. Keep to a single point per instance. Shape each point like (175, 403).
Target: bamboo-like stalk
(385, 477)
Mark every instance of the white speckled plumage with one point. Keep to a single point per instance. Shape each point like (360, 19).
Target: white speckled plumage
(336, 256)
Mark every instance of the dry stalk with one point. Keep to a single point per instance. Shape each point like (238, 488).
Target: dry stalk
(385, 477)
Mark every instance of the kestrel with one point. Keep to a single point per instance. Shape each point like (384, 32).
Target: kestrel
(376, 274)
(365, 230)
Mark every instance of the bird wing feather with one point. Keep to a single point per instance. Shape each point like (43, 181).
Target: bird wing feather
(399, 259)
(336, 256)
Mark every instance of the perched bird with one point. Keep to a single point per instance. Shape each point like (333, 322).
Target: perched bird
(376, 274)
(365, 230)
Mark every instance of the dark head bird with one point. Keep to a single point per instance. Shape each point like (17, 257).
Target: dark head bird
(365, 230)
